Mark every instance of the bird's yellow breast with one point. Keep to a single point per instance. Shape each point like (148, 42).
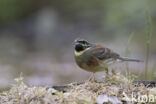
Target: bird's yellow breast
(81, 52)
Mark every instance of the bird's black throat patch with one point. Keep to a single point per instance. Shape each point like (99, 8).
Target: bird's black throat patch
(79, 48)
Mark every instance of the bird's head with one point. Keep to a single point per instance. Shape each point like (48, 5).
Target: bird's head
(81, 45)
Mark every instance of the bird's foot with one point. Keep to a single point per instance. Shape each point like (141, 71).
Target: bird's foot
(91, 78)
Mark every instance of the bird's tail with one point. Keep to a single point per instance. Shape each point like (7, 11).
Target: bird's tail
(128, 59)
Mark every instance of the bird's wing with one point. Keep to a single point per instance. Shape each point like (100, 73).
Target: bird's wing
(103, 53)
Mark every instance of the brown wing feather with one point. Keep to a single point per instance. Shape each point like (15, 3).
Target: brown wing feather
(103, 53)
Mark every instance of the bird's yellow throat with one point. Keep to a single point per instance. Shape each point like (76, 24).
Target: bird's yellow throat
(81, 52)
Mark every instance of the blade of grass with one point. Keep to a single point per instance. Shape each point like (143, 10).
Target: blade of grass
(148, 41)
(152, 73)
(127, 52)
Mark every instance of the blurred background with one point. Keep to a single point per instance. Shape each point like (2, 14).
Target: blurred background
(36, 37)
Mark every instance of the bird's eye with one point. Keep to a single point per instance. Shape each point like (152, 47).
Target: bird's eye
(83, 42)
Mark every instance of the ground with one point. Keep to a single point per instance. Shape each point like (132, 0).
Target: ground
(115, 89)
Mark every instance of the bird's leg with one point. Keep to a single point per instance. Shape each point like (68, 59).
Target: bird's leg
(113, 72)
(107, 73)
(92, 77)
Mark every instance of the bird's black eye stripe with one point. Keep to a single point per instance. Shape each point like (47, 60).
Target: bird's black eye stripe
(83, 42)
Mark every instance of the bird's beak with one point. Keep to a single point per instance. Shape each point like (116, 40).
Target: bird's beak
(75, 42)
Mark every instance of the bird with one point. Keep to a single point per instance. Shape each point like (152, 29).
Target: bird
(94, 57)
